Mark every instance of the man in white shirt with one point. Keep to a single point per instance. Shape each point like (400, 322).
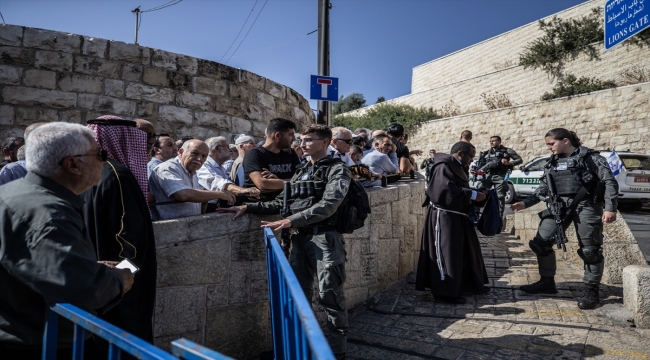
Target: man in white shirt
(213, 176)
(339, 148)
(176, 188)
(378, 160)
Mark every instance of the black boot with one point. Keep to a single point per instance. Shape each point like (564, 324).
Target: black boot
(546, 285)
(589, 298)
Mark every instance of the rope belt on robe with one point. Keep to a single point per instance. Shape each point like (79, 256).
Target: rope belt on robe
(439, 259)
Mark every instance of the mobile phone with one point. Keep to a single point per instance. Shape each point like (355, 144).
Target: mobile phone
(127, 264)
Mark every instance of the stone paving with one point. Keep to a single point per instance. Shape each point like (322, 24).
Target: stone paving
(401, 323)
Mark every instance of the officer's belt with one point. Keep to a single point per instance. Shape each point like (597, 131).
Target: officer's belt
(315, 230)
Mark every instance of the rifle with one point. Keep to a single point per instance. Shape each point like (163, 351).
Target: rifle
(557, 209)
(285, 234)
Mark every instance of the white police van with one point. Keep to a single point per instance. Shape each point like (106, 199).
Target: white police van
(633, 180)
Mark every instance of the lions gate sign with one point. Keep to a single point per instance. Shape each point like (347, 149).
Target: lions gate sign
(624, 19)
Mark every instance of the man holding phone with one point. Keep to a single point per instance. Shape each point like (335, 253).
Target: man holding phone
(118, 221)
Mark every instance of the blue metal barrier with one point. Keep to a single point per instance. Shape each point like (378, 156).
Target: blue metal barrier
(296, 333)
(189, 350)
(118, 339)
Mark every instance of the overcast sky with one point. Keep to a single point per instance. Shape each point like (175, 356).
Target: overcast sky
(374, 43)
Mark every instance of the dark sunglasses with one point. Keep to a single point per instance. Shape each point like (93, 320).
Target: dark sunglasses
(103, 156)
(347, 141)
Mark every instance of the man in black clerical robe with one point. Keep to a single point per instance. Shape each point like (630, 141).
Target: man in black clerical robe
(450, 259)
(119, 222)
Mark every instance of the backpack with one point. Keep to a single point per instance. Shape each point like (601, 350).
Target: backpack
(490, 222)
(354, 209)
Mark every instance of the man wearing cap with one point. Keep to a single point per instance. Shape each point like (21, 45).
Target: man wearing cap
(118, 220)
(212, 175)
(243, 144)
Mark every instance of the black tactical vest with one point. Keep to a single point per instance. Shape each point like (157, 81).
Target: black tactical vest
(309, 186)
(571, 173)
(497, 154)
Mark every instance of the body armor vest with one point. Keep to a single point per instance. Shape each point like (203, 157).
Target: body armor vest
(310, 187)
(570, 174)
(496, 155)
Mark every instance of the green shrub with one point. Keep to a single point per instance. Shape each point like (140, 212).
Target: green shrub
(570, 86)
(561, 39)
(382, 115)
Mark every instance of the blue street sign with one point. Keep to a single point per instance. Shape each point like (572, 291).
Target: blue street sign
(325, 88)
(624, 19)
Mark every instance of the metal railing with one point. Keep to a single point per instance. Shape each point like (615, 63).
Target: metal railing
(118, 340)
(296, 333)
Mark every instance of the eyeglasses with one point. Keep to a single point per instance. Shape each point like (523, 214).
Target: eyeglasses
(347, 141)
(102, 154)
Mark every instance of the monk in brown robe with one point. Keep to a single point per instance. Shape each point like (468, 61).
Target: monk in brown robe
(450, 255)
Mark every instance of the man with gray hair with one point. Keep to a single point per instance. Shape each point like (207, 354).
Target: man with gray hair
(176, 188)
(243, 144)
(212, 175)
(340, 146)
(45, 256)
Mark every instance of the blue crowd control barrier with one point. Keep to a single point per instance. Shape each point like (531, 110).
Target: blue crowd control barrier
(296, 333)
(189, 350)
(119, 340)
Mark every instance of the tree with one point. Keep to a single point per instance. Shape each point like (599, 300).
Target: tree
(380, 99)
(380, 116)
(348, 103)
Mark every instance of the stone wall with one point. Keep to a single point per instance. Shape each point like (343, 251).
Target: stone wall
(619, 245)
(212, 282)
(56, 76)
(492, 66)
(481, 58)
(616, 118)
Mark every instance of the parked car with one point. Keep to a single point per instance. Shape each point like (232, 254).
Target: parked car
(633, 181)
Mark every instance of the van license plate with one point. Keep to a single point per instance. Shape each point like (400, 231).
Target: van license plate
(641, 180)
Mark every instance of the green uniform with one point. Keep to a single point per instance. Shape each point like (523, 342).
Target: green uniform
(587, 217)
(495, 174)
(317, 248)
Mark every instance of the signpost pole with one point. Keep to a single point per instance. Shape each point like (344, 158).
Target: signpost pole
(324, 107)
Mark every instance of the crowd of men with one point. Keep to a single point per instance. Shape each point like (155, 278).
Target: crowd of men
(78, 202)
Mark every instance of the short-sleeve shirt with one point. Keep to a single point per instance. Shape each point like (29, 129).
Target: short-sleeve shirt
(283, 165)
(167, 179)
(212, 176)
(402, 150)
(152, 165)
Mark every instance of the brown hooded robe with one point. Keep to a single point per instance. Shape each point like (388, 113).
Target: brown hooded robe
(460, 249)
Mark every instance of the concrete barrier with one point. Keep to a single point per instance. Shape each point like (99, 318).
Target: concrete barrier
(636, 293)
(212, 281)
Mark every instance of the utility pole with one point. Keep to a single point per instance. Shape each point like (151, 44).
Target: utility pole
(324, 107)
(136, 11)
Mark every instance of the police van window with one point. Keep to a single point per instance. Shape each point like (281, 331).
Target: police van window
(636, 162)
(537, 165)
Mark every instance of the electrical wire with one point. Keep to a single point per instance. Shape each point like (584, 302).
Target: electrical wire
(249, 30)
(240, 30)
(160, 7)
(3, 18)
(273, 47)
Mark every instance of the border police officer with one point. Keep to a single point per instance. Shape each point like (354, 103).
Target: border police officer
(317, 189)
(500, 159)
(579, 174)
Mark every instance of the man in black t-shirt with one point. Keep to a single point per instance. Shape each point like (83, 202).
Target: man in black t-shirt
(396, 133)
(269, 166)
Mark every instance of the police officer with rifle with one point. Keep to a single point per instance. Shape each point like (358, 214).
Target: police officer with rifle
(313, 209)
(496, 163)
(577, 183)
